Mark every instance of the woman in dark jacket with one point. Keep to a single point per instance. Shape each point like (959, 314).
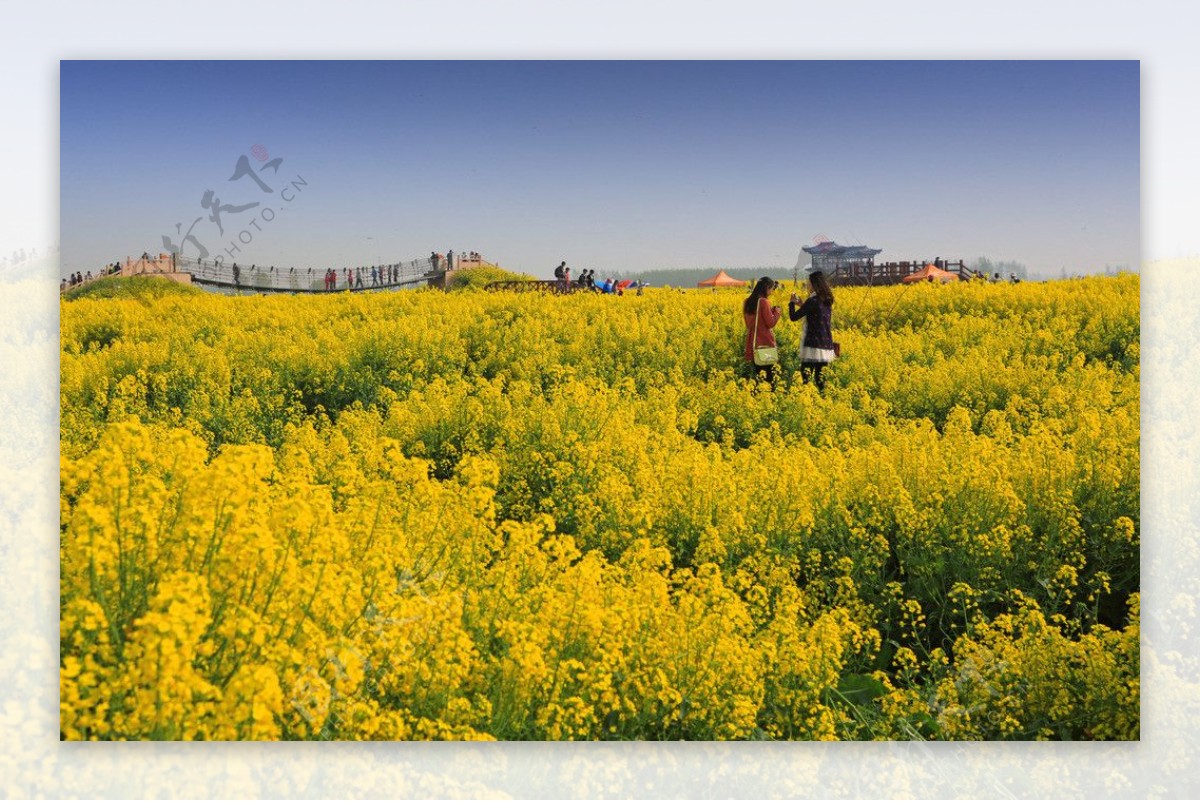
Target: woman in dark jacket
(817, 313)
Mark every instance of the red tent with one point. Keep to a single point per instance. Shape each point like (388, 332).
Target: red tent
(930, 273)
(722, 279)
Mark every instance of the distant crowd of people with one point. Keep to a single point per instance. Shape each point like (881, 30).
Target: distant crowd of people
(450, 261)
(381, 275)
(587, 280)
(21, 256)
(366, 277)
(362, 277)
(78, 278)
(74, 280)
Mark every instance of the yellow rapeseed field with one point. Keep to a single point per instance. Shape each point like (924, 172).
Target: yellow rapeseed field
(485, 515)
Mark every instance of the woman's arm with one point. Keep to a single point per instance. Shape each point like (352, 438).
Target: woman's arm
(771, 314)
(805, 308)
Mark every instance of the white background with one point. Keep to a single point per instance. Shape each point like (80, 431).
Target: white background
(1161, 35)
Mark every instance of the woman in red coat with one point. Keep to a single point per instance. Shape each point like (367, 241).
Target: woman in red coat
(758, 305)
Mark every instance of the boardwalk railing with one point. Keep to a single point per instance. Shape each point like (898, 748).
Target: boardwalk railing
(268, 278)
(893, 272)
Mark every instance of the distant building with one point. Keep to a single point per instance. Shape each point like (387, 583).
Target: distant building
(854, 265)
(846, 260)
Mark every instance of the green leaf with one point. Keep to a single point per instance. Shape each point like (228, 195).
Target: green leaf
(860, 690)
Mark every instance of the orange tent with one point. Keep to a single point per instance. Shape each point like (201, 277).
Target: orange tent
(722, 279)
(930, 273)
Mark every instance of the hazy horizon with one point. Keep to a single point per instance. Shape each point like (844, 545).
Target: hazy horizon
(619, 166)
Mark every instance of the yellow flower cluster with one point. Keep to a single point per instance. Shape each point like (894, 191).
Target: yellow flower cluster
(486, 515)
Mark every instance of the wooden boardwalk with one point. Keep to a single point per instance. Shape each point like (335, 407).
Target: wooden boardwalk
(894, 272)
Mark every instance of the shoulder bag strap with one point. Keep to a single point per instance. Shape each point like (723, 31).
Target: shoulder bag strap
(754, 336)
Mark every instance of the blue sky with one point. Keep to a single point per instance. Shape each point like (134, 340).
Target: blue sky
(614, 165)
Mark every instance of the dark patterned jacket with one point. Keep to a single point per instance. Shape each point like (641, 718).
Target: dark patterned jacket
(817, 316)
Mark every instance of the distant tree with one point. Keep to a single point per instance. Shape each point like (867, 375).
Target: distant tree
(1013, 267)
(988, 267)
(688, 277)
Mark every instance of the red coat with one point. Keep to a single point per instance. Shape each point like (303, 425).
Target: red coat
(767, 318)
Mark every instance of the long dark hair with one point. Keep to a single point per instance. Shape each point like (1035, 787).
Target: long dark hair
(821, 286)
(761, 290)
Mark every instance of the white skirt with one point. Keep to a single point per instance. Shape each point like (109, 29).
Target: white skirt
(822, 355)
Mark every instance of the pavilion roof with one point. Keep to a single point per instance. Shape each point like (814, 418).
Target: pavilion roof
(830, 248)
